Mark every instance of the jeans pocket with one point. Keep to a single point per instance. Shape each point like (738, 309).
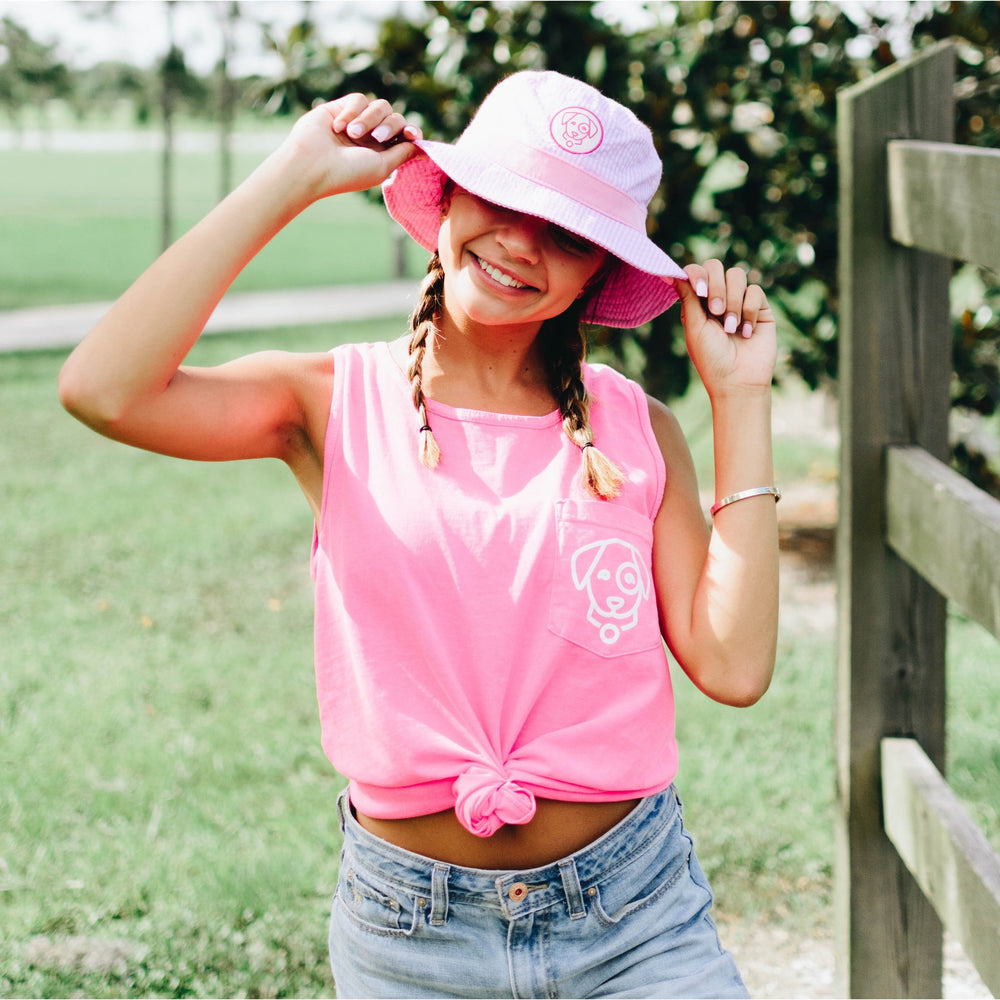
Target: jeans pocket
(664, 879)
(602, 588)
(376, 906)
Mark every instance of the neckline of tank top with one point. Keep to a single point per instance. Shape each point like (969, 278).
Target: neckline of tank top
(466, 415)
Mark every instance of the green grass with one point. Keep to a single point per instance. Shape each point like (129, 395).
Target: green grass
(81, 226)
(973, 740)
(757, 786)
(163, 781)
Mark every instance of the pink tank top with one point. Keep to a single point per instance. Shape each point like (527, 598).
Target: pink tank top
(486, 632)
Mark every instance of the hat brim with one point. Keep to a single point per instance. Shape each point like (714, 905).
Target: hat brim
(641, 285)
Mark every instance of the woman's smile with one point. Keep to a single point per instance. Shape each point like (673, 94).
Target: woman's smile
(503, 277)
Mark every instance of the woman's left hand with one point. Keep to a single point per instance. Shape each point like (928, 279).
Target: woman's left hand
(729, 328)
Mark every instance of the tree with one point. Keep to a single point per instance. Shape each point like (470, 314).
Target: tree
(226, 95)
(308, 69)
(171, 68)
(101, 87)
(29, 71)
(177, 84)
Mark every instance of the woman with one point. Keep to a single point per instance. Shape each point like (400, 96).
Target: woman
(505, 536)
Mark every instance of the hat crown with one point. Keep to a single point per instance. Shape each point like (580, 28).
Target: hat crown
(566, 118)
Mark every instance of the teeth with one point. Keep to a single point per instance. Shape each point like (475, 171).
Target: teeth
(497, 275)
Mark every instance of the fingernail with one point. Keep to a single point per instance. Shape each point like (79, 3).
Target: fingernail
(716, 306)
(355, 130)
(701, 289)
(730, 323)
(747, 330)
(381, 133)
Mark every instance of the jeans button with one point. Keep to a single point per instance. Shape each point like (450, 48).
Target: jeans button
(517, 891)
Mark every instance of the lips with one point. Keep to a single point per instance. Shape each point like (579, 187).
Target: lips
(501, 277)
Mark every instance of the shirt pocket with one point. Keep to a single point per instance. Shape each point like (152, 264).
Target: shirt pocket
(602, 587)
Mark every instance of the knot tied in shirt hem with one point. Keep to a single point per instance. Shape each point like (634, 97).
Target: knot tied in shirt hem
(486, 799)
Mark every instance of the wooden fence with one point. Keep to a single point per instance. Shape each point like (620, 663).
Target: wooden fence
(912, 533)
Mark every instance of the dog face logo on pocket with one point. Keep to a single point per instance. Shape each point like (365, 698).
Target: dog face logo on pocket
(617, 582)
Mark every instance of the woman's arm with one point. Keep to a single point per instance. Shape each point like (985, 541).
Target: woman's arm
(718, 590)
(125, 378)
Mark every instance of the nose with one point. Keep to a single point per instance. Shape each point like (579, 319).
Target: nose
(521, 235)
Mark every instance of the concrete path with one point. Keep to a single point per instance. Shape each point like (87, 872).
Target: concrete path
(52, 327)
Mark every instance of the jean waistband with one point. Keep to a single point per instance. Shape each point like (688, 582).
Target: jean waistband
(517, 891)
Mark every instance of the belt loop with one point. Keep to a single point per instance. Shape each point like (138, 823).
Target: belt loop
(439, 894)
(342, 810)
(571, 887)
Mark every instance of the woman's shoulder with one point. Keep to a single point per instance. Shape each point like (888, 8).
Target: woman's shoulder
(361, 351)
(610, 388)
(355, 357)
(605, 382)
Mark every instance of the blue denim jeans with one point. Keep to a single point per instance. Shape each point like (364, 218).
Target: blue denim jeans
(627, 916)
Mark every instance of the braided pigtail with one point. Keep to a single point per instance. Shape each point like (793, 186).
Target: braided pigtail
(422, 326)
(564, 348)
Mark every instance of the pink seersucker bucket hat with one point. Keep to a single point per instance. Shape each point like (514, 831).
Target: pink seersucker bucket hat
(550, 146)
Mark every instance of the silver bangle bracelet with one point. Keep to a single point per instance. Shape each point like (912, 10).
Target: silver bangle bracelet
(743, 494)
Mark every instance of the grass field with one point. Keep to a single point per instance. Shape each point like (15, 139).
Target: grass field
(80, 226)
(166, 806)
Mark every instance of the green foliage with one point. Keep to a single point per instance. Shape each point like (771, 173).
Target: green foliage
(975, 383)
(307, 70)
(975, 292)
(187, 89)
(28, 70)
(752, 106)
(975, 27)
(102, 87)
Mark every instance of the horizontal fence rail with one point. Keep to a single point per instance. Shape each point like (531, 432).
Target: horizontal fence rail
(947, 529)
(946, 852)
(946, 199)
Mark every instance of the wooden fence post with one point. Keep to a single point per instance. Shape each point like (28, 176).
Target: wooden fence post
(895, 365)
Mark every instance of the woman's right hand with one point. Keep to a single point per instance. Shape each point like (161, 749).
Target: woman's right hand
(352, 143)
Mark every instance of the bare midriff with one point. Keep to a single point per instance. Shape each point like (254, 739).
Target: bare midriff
(556, 830)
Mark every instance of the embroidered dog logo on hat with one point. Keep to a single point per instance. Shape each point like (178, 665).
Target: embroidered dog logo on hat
(576, 130)
(617, 582)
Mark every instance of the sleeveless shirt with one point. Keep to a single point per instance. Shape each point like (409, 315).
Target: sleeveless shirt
(486, 632)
